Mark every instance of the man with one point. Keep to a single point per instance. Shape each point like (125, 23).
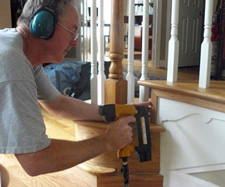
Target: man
(23, 85)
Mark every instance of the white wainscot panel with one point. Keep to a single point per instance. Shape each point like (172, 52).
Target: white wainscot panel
(194, 138)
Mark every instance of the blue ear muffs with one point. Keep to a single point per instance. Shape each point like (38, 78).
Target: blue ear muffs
(43, 23)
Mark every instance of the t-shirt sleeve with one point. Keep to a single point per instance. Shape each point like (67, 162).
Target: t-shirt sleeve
(45, 89)
(22, 129)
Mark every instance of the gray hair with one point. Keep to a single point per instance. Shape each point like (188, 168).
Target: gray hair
(32, 6)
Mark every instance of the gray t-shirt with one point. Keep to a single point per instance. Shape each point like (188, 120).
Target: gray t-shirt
(22, 129)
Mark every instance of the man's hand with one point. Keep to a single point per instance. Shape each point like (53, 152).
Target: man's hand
(119, 133)
(148, 104)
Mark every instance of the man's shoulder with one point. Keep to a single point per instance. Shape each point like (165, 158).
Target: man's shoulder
(10, 38)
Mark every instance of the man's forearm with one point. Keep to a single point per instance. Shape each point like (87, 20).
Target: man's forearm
(61, 155)
(73, 109)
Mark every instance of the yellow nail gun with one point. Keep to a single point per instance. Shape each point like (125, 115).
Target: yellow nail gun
(112, 112)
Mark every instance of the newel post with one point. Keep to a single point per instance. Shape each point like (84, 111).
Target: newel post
(115, 85)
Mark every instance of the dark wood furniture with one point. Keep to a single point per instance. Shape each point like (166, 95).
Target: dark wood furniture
(138, 39)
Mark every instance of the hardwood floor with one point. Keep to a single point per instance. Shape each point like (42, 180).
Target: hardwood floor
(187, 73)
(184, 73)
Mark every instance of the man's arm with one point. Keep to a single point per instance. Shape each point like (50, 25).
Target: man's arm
(74, 109)
(61, 154)
(71, 108)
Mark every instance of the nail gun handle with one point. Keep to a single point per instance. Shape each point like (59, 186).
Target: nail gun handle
(125, 151)
(111, 112)
(143, 132)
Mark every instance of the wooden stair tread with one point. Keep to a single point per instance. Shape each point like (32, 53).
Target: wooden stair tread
(215, 92)
(212, 97)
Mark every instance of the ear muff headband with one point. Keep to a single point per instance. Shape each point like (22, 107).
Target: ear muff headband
(43, 23)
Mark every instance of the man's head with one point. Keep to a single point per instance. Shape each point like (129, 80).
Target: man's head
(41, 16)
(65, 32)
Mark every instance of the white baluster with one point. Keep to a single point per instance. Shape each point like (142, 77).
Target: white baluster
(93, 54)
(101, 74)
(173, 52)
(206, 47)
(130, 74)
(144, 91)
